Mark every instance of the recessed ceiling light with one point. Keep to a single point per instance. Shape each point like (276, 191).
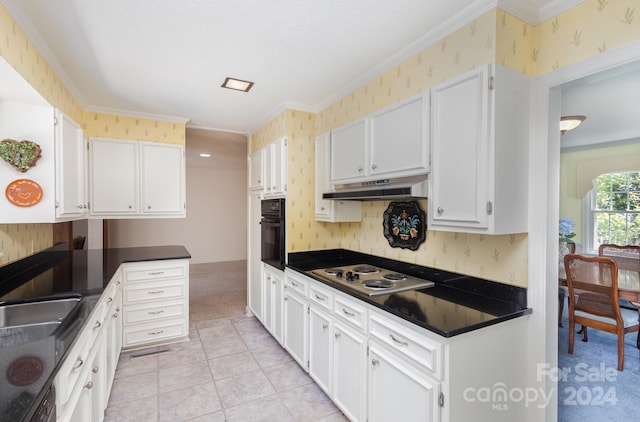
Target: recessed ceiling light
(205, 155)
(237, 84)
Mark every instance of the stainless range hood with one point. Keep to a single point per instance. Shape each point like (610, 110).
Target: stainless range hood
(414, 187)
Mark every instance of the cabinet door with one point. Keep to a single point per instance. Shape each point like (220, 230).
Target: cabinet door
(256, 170)
(114, 176)
(349, 372)
(296, 321)
(114, 340)
(397, 392)
(272, 285)
(276, 305)
(458, 191)
(326, 209)
(349, 152)
(322, 179)
(399, 139)
(163, 179)
(320, 347)
(70, 169)
(254, 284)
(276, 167)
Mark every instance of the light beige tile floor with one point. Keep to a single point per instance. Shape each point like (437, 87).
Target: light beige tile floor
(231, 369)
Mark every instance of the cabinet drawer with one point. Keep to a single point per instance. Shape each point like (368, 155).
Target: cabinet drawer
(171, 269)
(297, 284)
(151, 312)
(420, 349)
(152, 332)
(350, 311)
(72, 367)
(321, 297)
(142, 292)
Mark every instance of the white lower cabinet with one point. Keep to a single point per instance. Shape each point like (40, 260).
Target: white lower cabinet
(379, 367)
(350, 371)
(320, 345)
(296, 321)
(155, 302)
(397, 391)
(272, 285)
(84, 380)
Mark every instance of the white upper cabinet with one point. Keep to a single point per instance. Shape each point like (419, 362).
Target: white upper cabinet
(136, 179)
(393, 142)
(163, 179)
(276, 168)
(115, 175)
(400, 139)
(71, 169)
(479, 156)
(326, 209)
(256, 170)
(349, 152)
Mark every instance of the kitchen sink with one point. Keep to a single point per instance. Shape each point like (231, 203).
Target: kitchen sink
(21, 334)
(41, 312)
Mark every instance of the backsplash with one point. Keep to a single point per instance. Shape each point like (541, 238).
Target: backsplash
(20, 240)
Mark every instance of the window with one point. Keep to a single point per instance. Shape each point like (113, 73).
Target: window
(615, 209)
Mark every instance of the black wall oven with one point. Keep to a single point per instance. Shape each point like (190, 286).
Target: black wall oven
(272, 232)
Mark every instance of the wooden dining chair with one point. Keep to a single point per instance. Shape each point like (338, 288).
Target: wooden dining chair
(563, 291)
(593, 299)
(628, 258)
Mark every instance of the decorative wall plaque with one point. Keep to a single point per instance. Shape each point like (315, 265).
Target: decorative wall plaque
(23, 192)
(404, 225)
(21, 155)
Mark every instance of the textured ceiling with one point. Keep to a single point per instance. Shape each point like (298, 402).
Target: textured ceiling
(167, 58)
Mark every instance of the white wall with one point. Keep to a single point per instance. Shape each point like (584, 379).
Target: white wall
(215, 228)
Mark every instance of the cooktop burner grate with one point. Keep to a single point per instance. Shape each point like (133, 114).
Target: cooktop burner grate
(378, 284)
(394, 276)
(365, 269)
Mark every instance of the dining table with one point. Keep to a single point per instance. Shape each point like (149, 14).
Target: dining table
(628, 284)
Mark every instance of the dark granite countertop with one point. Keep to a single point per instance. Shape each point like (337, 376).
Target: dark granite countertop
(456, 304)
(58, 272)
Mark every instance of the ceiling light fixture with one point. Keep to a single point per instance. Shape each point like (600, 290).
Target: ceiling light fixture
(205, 155)
(237, 84)
(570, 122)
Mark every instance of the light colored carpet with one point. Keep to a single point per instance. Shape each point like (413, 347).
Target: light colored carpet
(217, 290)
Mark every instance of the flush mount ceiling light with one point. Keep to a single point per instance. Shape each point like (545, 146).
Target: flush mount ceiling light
(570, 122)
(205, 155)
(237, 84)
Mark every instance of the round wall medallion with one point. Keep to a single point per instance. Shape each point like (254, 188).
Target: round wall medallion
(24, 192)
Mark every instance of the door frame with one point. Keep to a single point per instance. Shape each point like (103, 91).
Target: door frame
(544, 204)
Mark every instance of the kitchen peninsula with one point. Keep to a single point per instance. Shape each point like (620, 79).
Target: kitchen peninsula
(107, 284)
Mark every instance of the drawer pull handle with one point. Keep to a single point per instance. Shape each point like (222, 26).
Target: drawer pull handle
(95, 369)
(157, 273)
(400, 342)
(294, 284)
(110, 300)
(155, 333)
(325, 326)
(375, 362)
(79, 363)
(98, 325)
(156, 292)
(89, 385)
(115, 315)
(320, 297)
(351, 314)
(337, 335)
(155, 312)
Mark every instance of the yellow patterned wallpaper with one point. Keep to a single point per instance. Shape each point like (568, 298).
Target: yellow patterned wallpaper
(495, 37)
(18, 240)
